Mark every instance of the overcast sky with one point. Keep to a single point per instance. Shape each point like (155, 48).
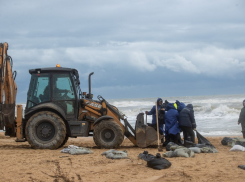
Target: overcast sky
(136, 48)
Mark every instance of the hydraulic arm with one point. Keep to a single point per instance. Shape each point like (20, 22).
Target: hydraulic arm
(8, 91)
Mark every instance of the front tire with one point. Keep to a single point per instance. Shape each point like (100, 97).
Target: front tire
(45, 130)
(108, 134)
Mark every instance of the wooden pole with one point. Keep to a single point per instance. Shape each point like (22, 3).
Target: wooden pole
(159, 147)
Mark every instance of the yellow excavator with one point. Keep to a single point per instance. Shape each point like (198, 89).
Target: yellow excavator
(57, 109)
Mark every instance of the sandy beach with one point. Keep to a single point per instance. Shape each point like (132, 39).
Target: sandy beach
(21, 163)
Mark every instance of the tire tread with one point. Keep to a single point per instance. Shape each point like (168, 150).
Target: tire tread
(106, 124)
(54, 144)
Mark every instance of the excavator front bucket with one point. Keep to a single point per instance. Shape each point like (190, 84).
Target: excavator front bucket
(145, 135)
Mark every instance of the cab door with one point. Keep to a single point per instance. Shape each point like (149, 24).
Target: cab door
(63, 94)
(39, 90)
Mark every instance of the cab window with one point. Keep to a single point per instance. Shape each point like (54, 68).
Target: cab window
(62, 87)
(39, 89)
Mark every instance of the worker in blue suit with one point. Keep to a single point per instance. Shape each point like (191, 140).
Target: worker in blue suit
(153, 113)
(172, 128)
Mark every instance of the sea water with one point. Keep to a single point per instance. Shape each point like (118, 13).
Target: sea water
(215, 115)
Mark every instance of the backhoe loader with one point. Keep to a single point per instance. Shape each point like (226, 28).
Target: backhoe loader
(57, 109)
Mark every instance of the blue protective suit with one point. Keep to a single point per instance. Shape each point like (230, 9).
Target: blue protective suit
(171, 118)
(180, 105)
(186, 117)
(153, 113)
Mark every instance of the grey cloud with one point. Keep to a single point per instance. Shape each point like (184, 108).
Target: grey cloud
(179, 64)
(147, 56)
(128, 42)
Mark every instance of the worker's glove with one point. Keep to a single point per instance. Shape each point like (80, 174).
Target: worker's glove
(146, 112)
(194, 129)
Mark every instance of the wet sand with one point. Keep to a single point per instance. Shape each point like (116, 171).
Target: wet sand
(21, 163)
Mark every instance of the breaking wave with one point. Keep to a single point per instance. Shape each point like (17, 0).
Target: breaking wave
(215, 115)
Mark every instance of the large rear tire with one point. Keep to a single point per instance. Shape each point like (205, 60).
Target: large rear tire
(108, 134)
(45, 130)
(64, 142)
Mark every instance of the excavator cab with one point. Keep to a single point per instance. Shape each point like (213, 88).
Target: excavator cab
(56, 86)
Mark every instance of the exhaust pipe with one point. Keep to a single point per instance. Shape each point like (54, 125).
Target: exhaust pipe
(90, 96)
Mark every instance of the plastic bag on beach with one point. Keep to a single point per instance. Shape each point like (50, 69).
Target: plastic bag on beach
(208, 150)
(75, 150)
(183, 152)
(195, 149)
(170, 144)
(180, 152)
(236, 141)
(67, 150)
(80, 150)
(237, 148)
(168, 154)
(174, 147)
(73, 147)
(242, 166)
(114, 154)
(145, 156)
(240, 143)
(225, 140)
(200, 145)
(203, 140)
(158, 163)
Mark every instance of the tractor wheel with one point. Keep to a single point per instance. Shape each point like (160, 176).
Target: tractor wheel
(64, 142)
(45, 130)
(108, 134)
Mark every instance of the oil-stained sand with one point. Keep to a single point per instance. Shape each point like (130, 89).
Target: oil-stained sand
(21, 163)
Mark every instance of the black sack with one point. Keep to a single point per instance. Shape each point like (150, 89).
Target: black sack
(145, 156)
(158, 163)
(225, 140)
(203, 140)
(240, 143)
(242, 166)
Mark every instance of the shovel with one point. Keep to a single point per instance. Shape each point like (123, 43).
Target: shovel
(159, 146)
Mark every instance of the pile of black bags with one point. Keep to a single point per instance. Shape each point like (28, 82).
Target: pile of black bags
(155, 162)
(233, 141)
(226, 140)
(203, 143)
